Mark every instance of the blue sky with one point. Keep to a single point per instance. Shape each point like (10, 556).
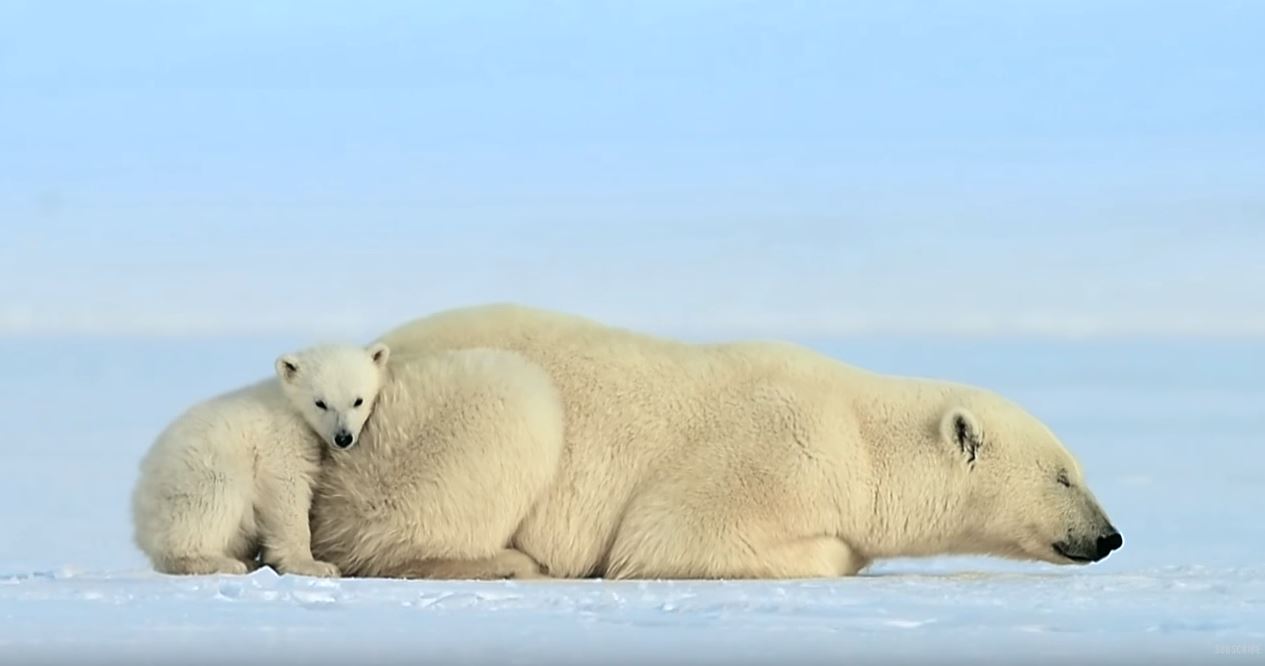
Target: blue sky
(783, 168)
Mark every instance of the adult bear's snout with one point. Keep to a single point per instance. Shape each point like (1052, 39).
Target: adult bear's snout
(1109, 542)
(1091, 549)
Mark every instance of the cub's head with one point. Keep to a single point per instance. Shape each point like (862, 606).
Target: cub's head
(334, 387)
(1025, 495)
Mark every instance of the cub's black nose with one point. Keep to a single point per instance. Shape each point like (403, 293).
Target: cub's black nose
(343, 440)
(1108, 543)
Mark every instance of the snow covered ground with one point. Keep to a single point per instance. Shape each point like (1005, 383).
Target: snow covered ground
(1170, 434)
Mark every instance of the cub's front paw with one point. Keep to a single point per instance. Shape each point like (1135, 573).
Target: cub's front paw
(309, 568)
(517, 565)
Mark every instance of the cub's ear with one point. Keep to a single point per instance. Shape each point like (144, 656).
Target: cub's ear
(379, 353)
(961, 429)
(287, 368)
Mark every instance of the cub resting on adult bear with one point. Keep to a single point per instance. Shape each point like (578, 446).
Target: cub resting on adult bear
(674, 460)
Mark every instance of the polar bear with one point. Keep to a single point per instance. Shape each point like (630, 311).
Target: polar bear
(737, 460)
(402, 504)
(232, 477)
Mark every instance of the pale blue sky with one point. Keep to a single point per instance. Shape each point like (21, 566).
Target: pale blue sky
(789, 168)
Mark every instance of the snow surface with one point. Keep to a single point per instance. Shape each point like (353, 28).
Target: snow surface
(1169, 434)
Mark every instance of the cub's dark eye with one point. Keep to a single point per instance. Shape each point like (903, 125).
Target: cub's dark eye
(1064, 481)
(358, 402)
(321, 404)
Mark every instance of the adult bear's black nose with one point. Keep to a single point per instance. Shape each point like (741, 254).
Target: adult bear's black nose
(1109, 542)
(343, 440)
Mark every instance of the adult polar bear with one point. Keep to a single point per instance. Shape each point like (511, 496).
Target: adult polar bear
(734, 460)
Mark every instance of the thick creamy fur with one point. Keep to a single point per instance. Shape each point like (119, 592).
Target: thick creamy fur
(699, 461)
(232, 477)
(457, 440)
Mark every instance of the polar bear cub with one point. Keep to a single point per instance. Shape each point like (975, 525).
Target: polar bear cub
(232, 477)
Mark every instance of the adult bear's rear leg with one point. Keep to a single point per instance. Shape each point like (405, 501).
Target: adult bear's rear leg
(509, 563)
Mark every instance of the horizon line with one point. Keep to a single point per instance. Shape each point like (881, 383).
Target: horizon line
(717, 329)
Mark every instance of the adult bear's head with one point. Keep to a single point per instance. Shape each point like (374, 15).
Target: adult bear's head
(1025, 496)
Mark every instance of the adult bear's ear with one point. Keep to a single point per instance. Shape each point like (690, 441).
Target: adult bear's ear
(961, 429)
(287, 368)
(379, 353)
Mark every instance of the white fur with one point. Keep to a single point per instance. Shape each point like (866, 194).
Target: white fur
(403, 502)
(232, 477)
(697, 461)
